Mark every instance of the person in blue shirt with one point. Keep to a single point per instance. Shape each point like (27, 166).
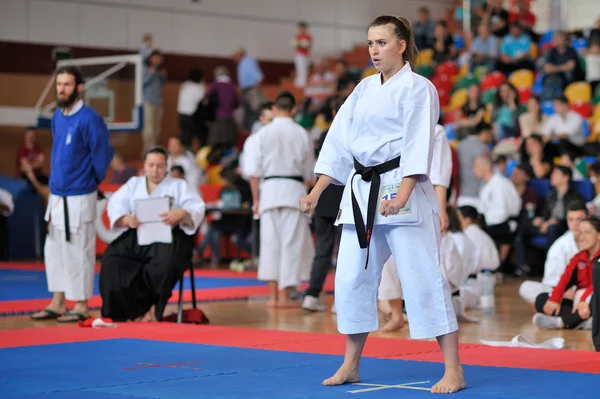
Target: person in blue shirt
(515, 51)
(249, 77)
(81, 154)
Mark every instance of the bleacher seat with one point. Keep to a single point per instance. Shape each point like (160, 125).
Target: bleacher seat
(458, 99)
(586, 129)
(537, 84)
(541, 186)
(546, 40)
(579, 44)
(578, 92)
(488, 96)
(492, 81)
(523, 78)
(596, 99)
(426, 56)
(465, 82)
(585, 188)
(583, 109)
(548, 108)
(524, 94)
(450, 131)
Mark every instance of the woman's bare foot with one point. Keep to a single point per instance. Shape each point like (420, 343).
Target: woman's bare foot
(272, 303)
(342, 376)
(392, 325)
(453, 381)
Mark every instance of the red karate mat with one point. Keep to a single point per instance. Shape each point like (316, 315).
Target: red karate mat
(327, 344)
(202, 295)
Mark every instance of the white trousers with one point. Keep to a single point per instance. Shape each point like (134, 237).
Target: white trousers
(390, 287)
(70, 265)
(416, 252)
(302, 64)
(286, 247)
(529, 290)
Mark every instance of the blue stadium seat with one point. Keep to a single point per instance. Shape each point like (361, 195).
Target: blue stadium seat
(537, 85)
(546, 38)
(579, 44)
(548, 108)
(539, 241)
(450, 131)
(541, 186)
(510, 165)
(585, 188)
(586, 128)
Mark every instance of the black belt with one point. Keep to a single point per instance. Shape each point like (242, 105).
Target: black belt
(369, 174)
(297, 178)
(67, 226)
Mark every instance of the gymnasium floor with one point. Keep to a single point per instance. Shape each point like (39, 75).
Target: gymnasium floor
(252, 352)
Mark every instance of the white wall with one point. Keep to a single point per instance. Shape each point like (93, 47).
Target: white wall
(578, 14)
(207, 27)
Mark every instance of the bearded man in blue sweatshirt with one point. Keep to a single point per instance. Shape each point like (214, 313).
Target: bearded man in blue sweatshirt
(81, 153)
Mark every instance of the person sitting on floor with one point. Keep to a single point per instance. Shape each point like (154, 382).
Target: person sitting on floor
(559, 255)
(135, 277)
(568, 305)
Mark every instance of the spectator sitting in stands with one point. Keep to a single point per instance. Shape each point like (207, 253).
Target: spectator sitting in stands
(568, 306)
(520, 177)
(177, 172)
(223, 94)
(499, 203)
(501, 165)
(30, 156)
(505, 113)
(443, 45)
(552, 222)
(594, 205)
(121, 171)
(484, 49)
(558, 257)
(320, 83)
(579, 168)
(592, 64)
(471, 114)
(515, 51)
(566, 127)
(495, 17)
(467, 151)
(533, 120)
(423, 29)
(533, 157)
(561, 67)
(525, 17)
(345, 81)
(179, 155)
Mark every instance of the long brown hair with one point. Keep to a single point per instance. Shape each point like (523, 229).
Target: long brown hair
(403, 31)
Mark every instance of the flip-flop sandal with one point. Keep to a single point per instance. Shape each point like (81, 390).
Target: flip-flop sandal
(73, 317)
(47, 314)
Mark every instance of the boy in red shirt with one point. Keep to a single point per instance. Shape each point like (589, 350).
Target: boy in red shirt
(302, 44)
(566, 307)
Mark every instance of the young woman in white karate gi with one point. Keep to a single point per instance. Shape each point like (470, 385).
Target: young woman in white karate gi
(390, 289)
(384, 133)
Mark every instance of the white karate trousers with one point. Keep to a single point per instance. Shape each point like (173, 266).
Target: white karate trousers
(302, 64)
(286, 247)
(416, 252)
(529, 290)
(71, 265)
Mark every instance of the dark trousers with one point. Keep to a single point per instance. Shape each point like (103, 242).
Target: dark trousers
(514, 66)
(3, 237)
(596, 305)
(528, 230)
(570, 319)
(189, 129)
(326, 234)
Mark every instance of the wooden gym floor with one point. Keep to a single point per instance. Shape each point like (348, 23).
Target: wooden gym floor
(511, 317)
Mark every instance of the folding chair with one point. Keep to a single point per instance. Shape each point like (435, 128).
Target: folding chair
(180, 301)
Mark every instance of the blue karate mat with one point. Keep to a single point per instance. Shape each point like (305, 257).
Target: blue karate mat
(17, 285)
(133, 368)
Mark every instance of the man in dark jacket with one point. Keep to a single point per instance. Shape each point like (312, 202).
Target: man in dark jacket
(325, 215)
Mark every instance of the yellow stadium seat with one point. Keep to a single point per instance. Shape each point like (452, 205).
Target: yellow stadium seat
(202, 156)
(213, 174)
(369, 72)
(522, 79)
(596, 114)
(464, 70)
(425, 57)
(458, 99)
(534, 50)
(578, 92)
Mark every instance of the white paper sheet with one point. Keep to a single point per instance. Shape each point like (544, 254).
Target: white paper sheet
(152, 229)
(520, 341)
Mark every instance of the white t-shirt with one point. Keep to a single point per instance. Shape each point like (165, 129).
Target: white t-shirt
(592, 67)
(190, 94)
(572, 125)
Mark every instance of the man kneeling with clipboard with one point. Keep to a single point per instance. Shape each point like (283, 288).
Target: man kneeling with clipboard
(157, 217)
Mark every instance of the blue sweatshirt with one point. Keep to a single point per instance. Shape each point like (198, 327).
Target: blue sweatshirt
(81, 152)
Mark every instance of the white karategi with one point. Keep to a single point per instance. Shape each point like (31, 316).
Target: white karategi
(377, 124)
(193, 174)
(440, 175)
(247, 156)
(559, 256)
(283, 159)
(499, 200)
(487, 258)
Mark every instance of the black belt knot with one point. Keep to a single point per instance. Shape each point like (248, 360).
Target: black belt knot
(370, 174)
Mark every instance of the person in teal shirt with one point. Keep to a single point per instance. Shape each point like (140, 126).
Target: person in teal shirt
(515, 51)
